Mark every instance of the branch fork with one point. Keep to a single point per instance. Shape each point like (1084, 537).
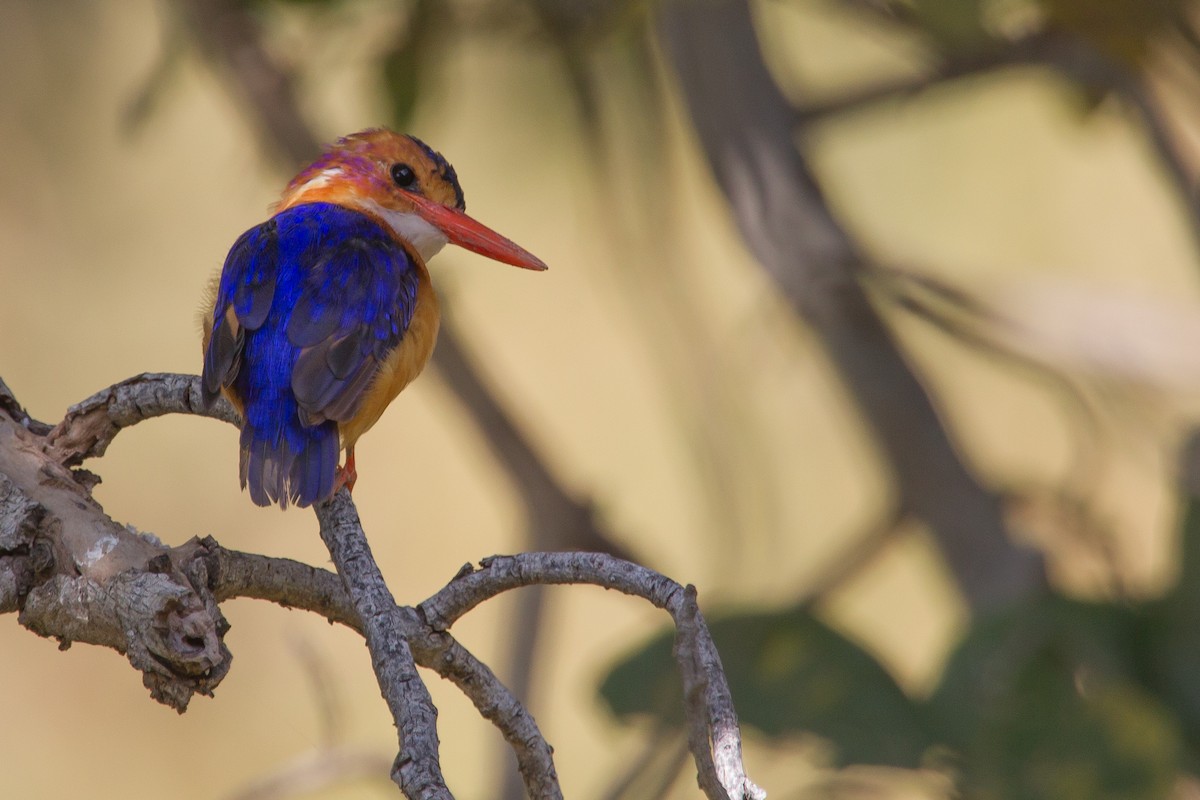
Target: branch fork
(76, 575)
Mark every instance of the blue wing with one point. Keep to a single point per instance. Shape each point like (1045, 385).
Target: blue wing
(309, 304)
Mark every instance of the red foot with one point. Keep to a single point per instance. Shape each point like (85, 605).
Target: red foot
(347, 475)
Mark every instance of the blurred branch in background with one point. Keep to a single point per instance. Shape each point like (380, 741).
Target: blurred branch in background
(1029, 645)
(1124, 49)
(991, 330)
(745, 127)
(624, 104)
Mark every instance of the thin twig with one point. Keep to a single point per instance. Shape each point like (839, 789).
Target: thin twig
(494, 702)
(713, 729)
(502, 573)
(291, 584)
(401, 637)
(525, 629)
(1021, 52)
(417, 770)
(91, 426)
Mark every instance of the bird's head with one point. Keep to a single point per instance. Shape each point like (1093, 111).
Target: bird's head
(408, 186)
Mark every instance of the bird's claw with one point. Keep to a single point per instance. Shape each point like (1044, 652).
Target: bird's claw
(346, 476)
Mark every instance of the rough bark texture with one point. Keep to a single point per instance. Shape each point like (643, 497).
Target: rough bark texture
(713, 733)
(76, 575)
(417, 770)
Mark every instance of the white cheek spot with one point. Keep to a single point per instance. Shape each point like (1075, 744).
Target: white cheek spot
(320, 179)
(410, 227)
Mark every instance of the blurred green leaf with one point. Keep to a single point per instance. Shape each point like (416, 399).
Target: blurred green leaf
(311, 3)
(958, 25)
(1044, 703)
(1123, 29)
(645, 682)
(789, 673)
(1174, 633)
(403, 66)
(161, 79)
(1051, 742)
(984, 670)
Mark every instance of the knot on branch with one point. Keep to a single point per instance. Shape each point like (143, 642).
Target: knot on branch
(78, 576)
(181, 651)
(166, 630)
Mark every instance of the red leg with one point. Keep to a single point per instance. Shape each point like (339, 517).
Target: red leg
(347, 475)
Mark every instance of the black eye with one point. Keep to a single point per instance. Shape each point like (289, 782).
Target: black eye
(403, 175)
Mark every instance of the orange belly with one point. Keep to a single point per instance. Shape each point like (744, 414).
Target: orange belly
(402, 364)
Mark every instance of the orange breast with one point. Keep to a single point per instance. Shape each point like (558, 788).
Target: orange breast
(402, 364)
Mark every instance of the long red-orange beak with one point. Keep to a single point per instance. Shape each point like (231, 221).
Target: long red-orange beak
(475, 236)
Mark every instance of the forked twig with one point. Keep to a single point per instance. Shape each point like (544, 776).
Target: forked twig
(399, 637)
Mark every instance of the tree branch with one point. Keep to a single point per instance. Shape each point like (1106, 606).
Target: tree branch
(745, 129)
(713, 735)
(90, 427)
(283, 581)
(438, 650)
(417, 770)
(149, 574)
(76, 575)
(295, 585)
(26, 555)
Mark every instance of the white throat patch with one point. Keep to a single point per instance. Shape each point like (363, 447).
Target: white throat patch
(410, 227)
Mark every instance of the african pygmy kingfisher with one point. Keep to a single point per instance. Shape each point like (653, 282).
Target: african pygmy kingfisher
(325, 312)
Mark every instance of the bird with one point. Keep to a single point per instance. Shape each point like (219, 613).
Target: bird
(322, 314)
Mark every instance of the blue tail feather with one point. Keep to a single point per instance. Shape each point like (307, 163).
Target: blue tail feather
(288, 462)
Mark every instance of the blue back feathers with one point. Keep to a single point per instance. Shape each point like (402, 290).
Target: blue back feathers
(318, 296)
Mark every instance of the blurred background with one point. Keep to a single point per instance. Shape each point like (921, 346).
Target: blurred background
(876, 320)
